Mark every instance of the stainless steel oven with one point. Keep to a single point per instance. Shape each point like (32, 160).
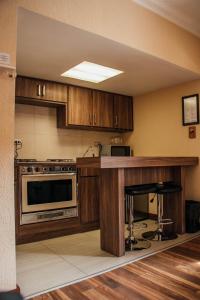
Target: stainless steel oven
(48, 193)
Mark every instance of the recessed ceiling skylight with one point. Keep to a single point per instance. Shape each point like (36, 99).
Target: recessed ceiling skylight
(91, 72)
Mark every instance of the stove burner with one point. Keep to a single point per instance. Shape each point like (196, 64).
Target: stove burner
(26, 160)
(70, 160)
(56, 160)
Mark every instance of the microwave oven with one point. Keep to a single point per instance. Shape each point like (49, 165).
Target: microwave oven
(115, 150)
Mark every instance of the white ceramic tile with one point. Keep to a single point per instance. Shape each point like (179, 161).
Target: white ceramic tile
(66, 241)
(38, 126)
(45, 121)
(30, 246)
(91, 263)
(47, 277)
(45, 111)
(28, 145)
(24, 119)
(29, 258)
(94, 234)
(76, 248)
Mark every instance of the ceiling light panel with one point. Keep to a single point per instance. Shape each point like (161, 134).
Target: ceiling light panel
(88, 71)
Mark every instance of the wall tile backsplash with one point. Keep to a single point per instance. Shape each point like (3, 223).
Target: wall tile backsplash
(37, 128)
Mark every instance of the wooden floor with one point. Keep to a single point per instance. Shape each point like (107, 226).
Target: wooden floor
(172, 274)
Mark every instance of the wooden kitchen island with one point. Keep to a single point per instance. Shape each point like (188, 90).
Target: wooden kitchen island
(118, 172)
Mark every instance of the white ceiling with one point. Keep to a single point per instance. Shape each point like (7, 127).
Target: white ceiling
(184, 13)
(46, 48)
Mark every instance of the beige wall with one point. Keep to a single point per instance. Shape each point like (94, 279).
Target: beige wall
(7, 219)
(36, 127)
(7, 216)
(8, 28)
(159, 131)
(127, 23)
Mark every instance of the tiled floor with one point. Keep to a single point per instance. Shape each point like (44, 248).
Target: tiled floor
(56, 262)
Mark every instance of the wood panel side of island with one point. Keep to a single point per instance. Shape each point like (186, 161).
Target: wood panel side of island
(112, 211)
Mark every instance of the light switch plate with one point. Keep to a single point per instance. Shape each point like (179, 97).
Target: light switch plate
(4, 58)
(192, 132)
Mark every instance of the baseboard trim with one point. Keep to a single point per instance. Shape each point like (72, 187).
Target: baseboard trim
(17, 290)
(153, 216)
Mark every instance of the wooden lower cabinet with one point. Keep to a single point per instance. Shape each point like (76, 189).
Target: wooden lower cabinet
(87, 220)
(89, 199)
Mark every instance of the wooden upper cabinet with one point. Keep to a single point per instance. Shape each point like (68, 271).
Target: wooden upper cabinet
(123, 112)
(79, 109)
(27, 87)
(54, 91)
(31, 88)
(102, 109)
(78, 106)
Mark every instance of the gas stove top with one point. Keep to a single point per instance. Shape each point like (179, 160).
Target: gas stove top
(33, 166)
(70, 160)
(53, 160)
(25, 160)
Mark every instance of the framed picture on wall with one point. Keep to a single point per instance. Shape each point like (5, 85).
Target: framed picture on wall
(190, 109)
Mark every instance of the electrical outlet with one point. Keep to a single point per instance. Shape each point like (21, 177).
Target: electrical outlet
(18, 142)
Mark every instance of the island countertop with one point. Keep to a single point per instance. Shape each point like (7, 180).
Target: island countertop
(112, 162)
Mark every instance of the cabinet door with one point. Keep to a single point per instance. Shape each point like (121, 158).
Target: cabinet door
(41, 89)
(123, 112)
(28, 87)
(53, 91)
(102, 109)
(89, 199)
(79, 111)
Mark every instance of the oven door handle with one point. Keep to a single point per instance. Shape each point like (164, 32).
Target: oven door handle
(48, 174)
(70, 174)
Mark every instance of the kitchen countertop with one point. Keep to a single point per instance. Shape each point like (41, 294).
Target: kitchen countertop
(107, 162)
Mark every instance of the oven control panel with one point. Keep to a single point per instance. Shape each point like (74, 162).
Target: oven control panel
(47, 169)
(43, 216)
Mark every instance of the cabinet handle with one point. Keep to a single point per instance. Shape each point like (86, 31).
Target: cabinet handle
(116, 120)
(38, 90)
(43, 90)
(95, 119)
(90, 119)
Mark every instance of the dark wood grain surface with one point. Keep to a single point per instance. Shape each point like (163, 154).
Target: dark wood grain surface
(174, 203)
(88, 190)
(112, 211)
(106, 162)
(102, 109)
(118, 172)
(172, 274)
(27, 88)
(77, 113)
(78, 107)
(123, 112)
